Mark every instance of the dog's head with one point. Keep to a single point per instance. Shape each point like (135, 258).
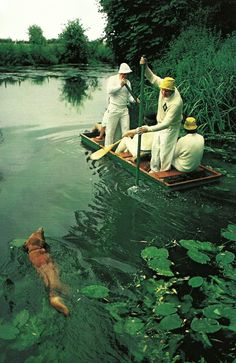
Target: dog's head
(36, 240)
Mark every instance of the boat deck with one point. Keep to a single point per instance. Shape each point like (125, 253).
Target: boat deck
(172, 179)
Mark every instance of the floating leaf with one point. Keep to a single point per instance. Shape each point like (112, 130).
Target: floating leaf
(116, 309)
(154, 252)
(17, 242)
(205, 325)
(95, 291)
(230, 272)
(166, 309)
(133, 325)
(231, 327)
(196, 281)
(186, 304)
(162, 267)
(197, 256)
(170, 322)
(224, 258)
(229, 232)
(213, 311)
(189, 244)
(8, 332)
(204, 246)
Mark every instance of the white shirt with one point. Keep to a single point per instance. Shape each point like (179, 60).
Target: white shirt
(169, 113)
(118, 96)
(188, 152)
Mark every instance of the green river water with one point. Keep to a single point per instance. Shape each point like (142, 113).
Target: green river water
(94, 227)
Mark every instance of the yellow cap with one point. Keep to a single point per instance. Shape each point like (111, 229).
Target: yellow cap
(168, 83)
(190, 123)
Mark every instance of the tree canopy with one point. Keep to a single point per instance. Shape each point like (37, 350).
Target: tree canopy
(146, 27)
(75, 43)
(36, 35)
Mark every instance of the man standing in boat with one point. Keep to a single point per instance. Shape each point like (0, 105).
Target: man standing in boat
(189, 148)
(119, 97)
(169, 117)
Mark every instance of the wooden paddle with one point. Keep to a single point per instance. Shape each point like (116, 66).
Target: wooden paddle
(103, 151)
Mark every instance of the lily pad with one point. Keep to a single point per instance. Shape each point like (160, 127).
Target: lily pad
(197, 256)
(162, 267)
(154, 252)
(213, 311)
(196, 281)
(224, 258)
(8, 332)
(17, 242)
(204, 246)
(117, 309)
(189, 244)
(229, 232)
(133, 325)
(170, 322)
(205, 325)
(95, 291)
(165, 309)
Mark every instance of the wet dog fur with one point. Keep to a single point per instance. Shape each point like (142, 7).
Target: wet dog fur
(36, 247)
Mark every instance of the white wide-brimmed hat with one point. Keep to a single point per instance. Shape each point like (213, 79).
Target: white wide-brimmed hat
(124, 68)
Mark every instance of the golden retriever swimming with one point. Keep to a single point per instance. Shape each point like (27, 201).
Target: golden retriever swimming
(41, 260)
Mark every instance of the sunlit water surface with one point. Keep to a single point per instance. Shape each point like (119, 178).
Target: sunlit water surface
(94, 226)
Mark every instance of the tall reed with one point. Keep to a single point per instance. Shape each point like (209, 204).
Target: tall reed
(204, 67)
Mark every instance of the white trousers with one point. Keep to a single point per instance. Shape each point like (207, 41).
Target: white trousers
(115, 116)
(163, 148)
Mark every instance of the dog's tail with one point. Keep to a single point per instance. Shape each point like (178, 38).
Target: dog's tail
(58, 304)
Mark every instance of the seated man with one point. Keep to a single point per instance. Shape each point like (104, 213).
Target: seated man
(101, 128)
(129, 143)
(189, 148)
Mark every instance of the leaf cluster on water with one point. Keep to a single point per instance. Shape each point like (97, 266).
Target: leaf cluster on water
(169, 312)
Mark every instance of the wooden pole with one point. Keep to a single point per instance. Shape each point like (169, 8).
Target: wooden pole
(140, 119)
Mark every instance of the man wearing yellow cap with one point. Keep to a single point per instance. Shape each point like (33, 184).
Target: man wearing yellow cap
(169, 117)
(189, 148)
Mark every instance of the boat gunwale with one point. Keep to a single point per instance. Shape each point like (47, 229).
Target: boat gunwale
(215, 175)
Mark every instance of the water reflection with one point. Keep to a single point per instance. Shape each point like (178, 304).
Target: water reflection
(74, 90)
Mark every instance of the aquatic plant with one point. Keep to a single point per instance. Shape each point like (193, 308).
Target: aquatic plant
(172, 317)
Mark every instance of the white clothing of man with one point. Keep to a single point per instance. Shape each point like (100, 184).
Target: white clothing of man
(119, 98)
(189, 148)
(130, 144)
(169, 117)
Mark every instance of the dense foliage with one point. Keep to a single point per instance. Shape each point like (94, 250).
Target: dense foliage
(74, 43)
(205, 75)
(146, 27)
(72, 46)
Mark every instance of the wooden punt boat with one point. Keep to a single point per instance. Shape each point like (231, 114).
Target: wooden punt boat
(173, 179)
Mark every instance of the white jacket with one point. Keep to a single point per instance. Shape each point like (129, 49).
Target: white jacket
(118, 96)
(188, 152)
(169, 113)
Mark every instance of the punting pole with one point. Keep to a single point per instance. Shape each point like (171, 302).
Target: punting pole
(140, 118)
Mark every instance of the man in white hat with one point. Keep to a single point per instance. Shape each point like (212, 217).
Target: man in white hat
(119, 98)
(189, 148)
(169, 117)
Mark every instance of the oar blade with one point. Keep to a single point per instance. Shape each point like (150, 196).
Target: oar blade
(100, 153)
